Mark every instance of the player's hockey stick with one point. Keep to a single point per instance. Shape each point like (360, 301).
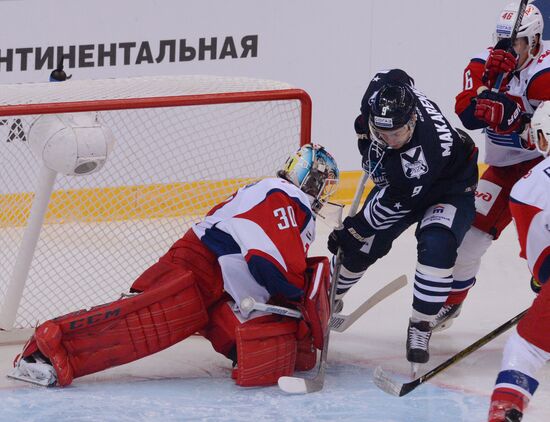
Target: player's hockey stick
(297, 385)
(338, 322)
(513, 36)
(341, 323)
(390, 386)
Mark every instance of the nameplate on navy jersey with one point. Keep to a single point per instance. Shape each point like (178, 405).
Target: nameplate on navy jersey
(439, 214)
(414, 163)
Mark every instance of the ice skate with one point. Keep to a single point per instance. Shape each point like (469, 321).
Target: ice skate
(504, 412)
(35, 369)
(446, 315)
(418, 338)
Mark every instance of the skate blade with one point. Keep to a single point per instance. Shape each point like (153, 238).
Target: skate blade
(443, 326)
(415, 369)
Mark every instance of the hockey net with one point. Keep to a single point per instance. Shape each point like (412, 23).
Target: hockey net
(183, 144)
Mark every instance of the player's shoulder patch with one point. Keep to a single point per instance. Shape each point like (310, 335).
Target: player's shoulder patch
(414, 162)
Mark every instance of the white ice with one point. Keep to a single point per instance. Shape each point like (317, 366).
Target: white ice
(191, 382)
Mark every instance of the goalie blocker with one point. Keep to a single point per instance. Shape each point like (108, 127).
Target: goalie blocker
(176, 297)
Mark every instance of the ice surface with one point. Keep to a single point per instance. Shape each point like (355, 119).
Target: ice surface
(191, 382)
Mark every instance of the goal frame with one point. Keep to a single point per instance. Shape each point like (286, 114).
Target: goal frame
(7, 316)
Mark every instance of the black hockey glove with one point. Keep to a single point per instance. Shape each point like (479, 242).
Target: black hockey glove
(348, 237)
(499, 111)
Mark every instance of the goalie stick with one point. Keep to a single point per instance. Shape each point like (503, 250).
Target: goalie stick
(248, 304)
(341, 323)
(390, 386)
(338, 322)
(297, 385)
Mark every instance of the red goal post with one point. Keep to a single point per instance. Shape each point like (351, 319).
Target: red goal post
(182, 144)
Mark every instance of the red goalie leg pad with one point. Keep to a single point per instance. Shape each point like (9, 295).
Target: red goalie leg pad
(29, 348)
(108, 335)
(306, 356)
(188, 253)
(48, 338)
(266, 351)
(315, 306)
(222, 327)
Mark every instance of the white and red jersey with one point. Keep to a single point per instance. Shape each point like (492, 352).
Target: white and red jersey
(530, 206)
(261, 236)
(527, 87)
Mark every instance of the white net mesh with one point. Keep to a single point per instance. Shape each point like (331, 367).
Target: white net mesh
(169, 166)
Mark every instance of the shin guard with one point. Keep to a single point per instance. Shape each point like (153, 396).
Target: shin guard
(128, 329)
(265, 352)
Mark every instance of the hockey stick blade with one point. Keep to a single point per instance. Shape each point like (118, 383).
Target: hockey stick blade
(385, 383)
(390, 386)
(341, 323)
(296, 385)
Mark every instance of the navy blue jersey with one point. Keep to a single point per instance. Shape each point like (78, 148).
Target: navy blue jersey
(437, 161)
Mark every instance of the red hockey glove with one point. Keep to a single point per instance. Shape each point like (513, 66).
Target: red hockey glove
(502, 59)
(500, 112)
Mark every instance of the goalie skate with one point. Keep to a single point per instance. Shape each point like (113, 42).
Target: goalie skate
(38, 372)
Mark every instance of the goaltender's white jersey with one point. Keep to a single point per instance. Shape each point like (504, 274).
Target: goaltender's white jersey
(261, 236)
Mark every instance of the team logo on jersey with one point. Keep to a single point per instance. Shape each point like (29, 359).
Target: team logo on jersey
(547, 171)
(414, 163)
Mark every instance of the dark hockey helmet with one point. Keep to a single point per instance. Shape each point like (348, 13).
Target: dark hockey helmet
(392, 107)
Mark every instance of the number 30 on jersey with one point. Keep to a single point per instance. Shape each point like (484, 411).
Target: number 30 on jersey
(286, 216)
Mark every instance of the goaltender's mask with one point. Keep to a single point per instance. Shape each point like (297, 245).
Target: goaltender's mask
(314, 171)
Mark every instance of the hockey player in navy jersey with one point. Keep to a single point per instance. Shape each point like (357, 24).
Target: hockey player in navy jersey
(252, 245)
(528, 348)
(425, 173)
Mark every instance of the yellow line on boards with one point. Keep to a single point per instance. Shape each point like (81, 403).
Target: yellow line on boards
(143, 201)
